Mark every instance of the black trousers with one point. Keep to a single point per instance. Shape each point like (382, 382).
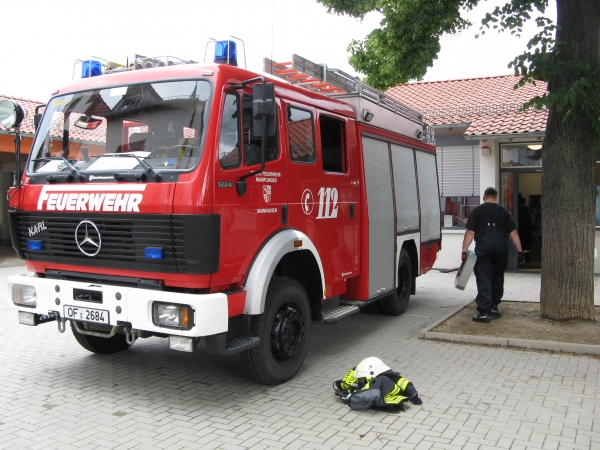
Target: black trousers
(491, 249)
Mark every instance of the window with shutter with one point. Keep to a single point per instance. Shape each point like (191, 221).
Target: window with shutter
(458, 169)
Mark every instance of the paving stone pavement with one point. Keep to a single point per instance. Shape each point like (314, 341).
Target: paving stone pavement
(56, 395)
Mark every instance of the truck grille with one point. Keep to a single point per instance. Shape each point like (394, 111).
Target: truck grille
(124, 238)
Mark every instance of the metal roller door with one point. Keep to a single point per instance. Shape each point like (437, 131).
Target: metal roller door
(405, 188)
(429, 197)
(380, 206)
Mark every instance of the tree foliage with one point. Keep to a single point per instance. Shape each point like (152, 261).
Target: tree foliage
(407, 43)
(566, 55)
(543, 60)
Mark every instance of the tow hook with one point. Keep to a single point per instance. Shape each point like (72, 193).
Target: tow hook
(130, 337)
(60, 321)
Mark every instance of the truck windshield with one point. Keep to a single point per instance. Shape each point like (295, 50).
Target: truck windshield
(162, 124)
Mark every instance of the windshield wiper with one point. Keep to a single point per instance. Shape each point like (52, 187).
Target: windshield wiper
(74, 172)
(147, 168)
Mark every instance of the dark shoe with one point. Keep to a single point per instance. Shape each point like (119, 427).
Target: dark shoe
(481, 318)
(495, 313)
(416, 400)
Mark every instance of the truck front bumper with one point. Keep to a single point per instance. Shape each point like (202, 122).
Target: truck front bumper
(116, 305)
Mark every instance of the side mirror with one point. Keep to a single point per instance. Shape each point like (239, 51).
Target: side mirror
(37, 117)
(11, 114)
(264, 107)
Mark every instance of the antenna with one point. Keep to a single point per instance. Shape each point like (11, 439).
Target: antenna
(272, 31)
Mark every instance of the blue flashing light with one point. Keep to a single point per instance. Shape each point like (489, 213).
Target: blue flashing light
(153, 252)
(34, 244)
(223, 49)
(90, 68)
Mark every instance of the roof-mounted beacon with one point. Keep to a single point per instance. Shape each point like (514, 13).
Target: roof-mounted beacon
(225, 52)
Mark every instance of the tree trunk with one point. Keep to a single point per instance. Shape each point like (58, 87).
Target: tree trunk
(568, 181)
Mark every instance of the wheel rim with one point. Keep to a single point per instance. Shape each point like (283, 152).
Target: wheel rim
(403, 281)
(287, 333)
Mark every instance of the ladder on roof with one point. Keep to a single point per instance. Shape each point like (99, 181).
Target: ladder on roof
(334, 82)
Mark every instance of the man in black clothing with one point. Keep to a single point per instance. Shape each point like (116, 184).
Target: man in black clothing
(490, 224)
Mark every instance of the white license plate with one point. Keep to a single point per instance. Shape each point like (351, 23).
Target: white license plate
(86, 314)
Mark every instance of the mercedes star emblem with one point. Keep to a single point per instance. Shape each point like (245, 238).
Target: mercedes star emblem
(87, 238)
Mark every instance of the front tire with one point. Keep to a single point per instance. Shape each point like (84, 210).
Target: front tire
(101, 346)
(284, 332)
(396, 305)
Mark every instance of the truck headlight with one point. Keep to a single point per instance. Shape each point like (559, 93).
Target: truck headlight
(23, 295)
(172, 315)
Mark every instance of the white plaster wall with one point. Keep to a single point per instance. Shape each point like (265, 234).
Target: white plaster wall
(489, 166)
(449, 257)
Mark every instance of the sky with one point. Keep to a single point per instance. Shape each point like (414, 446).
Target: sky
(50, 35)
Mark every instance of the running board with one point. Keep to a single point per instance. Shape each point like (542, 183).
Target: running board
(341, 312)
(218, 344)
(362, 303)
(348, 308)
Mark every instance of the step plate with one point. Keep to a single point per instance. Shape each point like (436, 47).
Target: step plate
(240, 343)
(335, 314)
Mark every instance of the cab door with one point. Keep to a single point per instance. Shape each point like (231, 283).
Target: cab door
(246, 220)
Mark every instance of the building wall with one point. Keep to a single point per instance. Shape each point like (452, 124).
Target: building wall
(489, 165)
(452, 238)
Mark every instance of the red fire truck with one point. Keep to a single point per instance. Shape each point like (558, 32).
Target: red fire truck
(194, 201)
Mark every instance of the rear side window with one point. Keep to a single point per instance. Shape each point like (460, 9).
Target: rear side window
(301, 135)
(333, 145)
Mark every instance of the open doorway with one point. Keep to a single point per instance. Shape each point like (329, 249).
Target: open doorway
(529, 217)
(521, 194)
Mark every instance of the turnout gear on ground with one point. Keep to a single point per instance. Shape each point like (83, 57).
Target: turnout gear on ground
(383, 390)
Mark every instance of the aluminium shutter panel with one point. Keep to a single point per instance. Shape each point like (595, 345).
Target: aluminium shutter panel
(428, 196)
(380, 207)
(405, 188)
(459, 171)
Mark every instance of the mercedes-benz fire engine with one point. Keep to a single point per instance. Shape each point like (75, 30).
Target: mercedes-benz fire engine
(204, 202)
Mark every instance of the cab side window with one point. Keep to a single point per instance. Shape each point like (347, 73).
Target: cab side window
(301, 135)
(333, 146)
(229, 147)
(252, 144)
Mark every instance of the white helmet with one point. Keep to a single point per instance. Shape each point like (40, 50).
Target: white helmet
(370, 367)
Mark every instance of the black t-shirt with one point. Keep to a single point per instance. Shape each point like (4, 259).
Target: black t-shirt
(477, 221)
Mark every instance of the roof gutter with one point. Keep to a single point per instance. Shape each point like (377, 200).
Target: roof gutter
(474, 137)
(450, 125)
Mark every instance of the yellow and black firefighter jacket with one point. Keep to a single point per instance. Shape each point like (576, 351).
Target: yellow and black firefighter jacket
(388, 391)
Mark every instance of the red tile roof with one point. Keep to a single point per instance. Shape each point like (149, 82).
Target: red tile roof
(302, 141)
(56, 129)
(489, 105)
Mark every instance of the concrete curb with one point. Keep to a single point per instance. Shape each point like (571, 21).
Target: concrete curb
(584, 349)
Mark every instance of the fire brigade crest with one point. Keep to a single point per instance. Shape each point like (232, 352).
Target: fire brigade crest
(267, 193)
